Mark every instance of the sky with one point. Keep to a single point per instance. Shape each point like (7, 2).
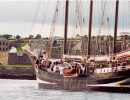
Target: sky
(31, 17)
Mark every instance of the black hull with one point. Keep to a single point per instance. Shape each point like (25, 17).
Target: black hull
(109, 82)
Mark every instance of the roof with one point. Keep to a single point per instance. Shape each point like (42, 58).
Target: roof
(41, 41)
(3, 39)
(38, 44)
(33, 45)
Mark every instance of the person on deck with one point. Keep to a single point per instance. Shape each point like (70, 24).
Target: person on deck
(51, 67)
(57, 70)
(39, 55)
(38, 61)
(43, 53)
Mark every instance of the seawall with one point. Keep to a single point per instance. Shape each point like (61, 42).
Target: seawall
(7, 58)
(14, 59)
(17, 73)
(4, 58)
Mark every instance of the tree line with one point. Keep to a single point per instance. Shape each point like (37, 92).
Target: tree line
(8, 36)
(38, 36)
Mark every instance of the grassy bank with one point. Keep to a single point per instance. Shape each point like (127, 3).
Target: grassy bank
(17, 65)
(19, 48)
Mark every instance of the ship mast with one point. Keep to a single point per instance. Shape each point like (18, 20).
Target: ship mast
(89, 34)
(115, 28)
(90, 29)
(66, 26)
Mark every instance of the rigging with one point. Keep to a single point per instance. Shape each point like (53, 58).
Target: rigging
(52, 29)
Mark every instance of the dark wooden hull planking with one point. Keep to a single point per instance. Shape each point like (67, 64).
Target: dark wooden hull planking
(109, 82)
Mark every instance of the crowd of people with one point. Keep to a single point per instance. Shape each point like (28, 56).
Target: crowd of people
(41, 63)
(40, 59)
(57, 66)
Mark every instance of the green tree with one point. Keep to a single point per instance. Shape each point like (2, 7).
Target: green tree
(122, 37)
(38, 36)
(102, 37)
(30, 36)
(110, 38)
(46, 38)
(18, 37)
(128, 37)
(7, 36)
(93, 38)
(77, 35)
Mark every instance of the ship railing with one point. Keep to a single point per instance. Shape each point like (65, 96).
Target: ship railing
(128, 67)
(114, 69)
(121, 68)
(103, 70)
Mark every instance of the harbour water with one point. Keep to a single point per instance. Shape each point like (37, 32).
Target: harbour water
(28, 90)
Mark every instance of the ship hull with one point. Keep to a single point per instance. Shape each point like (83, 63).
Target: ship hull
(109, 82)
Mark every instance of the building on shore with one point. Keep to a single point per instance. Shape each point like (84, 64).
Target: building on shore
(4, 45)
(40, 45)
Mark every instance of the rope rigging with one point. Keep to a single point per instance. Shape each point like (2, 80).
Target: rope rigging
(81, 23)
(52, 30)
(32, 26)
(98, 42)
(35, 16)
(73, 31)
(34, 20)
(80, 19)
(44, 17)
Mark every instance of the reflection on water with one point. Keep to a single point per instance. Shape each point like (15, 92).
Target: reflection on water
(28, 90)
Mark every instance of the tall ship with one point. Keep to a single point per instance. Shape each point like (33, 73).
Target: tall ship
(78, 73)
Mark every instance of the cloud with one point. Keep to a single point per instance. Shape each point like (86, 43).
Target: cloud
(16, 17)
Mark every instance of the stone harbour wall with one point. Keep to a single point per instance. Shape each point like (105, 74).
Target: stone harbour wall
(17, 72)
(7, 58)
(14, 59)
(4, 58)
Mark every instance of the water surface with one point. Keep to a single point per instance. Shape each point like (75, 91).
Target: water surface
(28, 90)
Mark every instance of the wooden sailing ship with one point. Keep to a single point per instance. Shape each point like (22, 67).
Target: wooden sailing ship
(82, 76)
